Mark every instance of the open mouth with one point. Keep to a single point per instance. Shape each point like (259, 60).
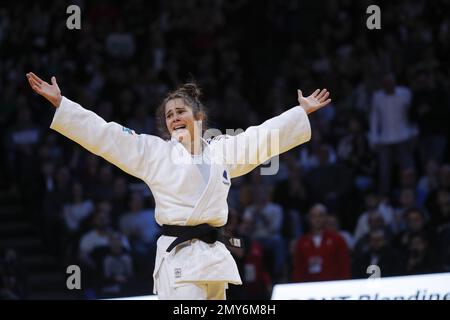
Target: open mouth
(179, 127)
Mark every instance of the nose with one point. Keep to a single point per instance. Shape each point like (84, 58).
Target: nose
(176, 118)
(174, 121)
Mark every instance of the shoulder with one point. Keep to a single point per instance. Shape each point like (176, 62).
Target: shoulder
(334, 236)
(148, 137)
(403, 91)
(304, 239)
(88, 236)
(147, 213)
(158, 146)
(378, 94)
(363, 217)
(272, 206)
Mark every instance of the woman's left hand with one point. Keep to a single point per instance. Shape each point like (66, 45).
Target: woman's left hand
(315, 101)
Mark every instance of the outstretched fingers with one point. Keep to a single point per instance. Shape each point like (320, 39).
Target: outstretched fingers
(34, 84)
(324, 97)
(35, 77)
(321, 94)
(324, 103)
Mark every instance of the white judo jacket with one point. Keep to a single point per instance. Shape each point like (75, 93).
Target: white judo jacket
(166, 167)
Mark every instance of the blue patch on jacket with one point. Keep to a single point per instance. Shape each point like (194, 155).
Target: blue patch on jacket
(225, 176)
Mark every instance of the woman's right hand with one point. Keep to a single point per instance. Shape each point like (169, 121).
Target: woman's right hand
(50, 92)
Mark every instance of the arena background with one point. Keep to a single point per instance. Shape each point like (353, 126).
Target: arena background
(62, 206)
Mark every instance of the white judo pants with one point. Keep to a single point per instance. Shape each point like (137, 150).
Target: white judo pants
(188, 291)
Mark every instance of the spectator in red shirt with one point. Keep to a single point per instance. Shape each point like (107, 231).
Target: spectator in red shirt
(321, 254)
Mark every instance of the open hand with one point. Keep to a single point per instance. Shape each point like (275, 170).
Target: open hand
(315, 101)
(50, 92)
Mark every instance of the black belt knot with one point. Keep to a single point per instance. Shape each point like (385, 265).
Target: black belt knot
(203, 232)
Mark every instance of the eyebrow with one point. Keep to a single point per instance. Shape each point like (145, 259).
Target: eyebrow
(177, 108)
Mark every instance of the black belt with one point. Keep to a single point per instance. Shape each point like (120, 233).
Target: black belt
(203, 232)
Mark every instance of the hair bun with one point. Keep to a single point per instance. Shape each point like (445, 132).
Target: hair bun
(191, 90)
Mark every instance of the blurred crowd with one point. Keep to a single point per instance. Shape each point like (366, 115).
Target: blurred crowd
(372, 187)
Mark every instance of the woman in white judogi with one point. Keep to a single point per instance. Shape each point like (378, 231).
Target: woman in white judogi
(190, 195)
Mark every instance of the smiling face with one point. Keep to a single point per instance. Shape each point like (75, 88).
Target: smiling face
(180, 120)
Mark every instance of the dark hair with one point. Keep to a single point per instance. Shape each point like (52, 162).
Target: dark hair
(190, 93)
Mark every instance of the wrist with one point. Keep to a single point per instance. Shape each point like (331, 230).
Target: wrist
(307, 110)
(57, 102)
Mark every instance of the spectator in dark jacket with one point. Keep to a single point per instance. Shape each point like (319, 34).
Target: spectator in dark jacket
(421, 258)
(379, 254)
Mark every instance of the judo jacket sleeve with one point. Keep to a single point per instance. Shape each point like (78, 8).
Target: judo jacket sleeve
(257, 144)
(131, 152)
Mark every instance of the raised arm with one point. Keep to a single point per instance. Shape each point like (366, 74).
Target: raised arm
(119, 145)
(257, 144)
